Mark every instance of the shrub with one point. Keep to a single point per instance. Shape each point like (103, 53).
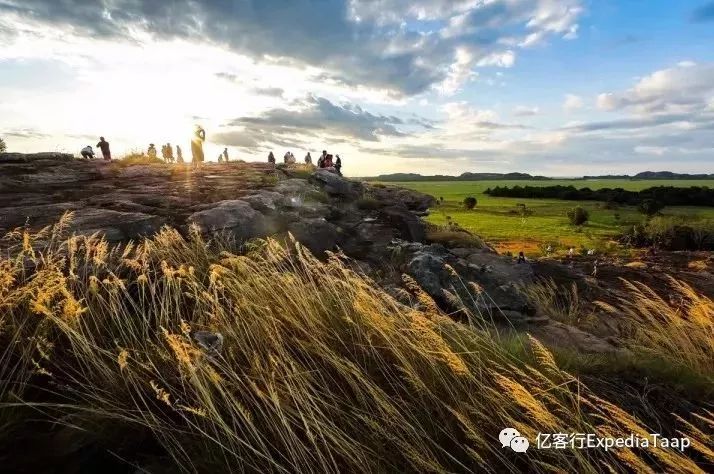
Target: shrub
(578, 215)
(650, 207)
(138, 159)
(3, 146)
(470, 202)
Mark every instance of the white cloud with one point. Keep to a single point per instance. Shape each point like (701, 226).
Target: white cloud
(525, 111)
(573, 103)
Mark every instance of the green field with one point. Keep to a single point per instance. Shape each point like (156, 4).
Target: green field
(495, 220)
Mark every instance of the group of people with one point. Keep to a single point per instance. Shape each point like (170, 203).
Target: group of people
(324, 162)
(88, 153)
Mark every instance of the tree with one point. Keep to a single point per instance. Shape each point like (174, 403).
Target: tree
(3, 146)
(578, 216)
(650, 207)
(470, 202)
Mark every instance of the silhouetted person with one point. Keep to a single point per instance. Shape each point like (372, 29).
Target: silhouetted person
(199, 137)
(87, 153)
(104, 146)
(321, 160)
(151, 152)
(225, 155)
(169, 153)
(220, 158)
(179, 155)
(308, 159)
(521, 257)
(164, 153)
(338, 165)
(271, 158)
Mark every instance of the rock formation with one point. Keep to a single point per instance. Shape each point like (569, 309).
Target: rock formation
(377, 226)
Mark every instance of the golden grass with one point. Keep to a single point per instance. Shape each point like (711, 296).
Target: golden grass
(679, 329)
(559, 303)
(320, 370)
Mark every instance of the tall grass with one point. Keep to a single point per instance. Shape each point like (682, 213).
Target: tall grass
(319, 369)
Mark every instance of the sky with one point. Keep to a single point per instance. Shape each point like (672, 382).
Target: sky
(552, 87)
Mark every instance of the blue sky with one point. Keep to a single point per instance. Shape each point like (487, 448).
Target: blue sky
(558, 87)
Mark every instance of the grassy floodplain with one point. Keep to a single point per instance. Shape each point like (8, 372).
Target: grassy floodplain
(495, 218)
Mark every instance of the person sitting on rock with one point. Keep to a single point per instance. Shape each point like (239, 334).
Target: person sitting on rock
(271, 158)
(338, 165)
(179, 155)
(321, 160)
(220, 158)
(327, 162)
(104, 146)
(308, 159)
(87, 153)
(151, 152)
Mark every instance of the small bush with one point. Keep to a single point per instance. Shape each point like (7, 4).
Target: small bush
(578, 216)
(470, 202)
(3, 146)
(650, 207)
(139, 159)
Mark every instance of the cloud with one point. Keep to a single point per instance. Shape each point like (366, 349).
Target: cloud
(573, 103)
(405, 47)
(24, 133)
(687, 87)
(704, 13)
(311, 118)
(524, 111)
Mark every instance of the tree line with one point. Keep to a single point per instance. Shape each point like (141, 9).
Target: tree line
(664, 195)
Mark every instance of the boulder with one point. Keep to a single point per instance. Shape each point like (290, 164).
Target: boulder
(235, 216)
(412, 200)
(265, 201)
(410, 227)
(336, 185)
(316, 234)
(114, 225)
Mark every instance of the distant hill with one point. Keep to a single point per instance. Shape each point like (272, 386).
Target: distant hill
(654, 175)
(462, 177)
(396, 177)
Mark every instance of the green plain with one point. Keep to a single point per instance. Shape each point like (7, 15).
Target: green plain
(496, 219)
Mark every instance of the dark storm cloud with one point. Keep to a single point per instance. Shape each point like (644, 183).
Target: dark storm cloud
(315, 117)
(375, 51)
(704, 13)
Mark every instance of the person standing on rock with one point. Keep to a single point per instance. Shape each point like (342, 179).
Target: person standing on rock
(308, 159)
(179, 155)
(165, 153)
(151, 152)
(338, 165)
(169, 153)
(104, 146)
(321, 160)
(225, 155)
(199, 137)
(271, 158)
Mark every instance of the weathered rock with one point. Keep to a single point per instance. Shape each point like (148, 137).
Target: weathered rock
(337, 186)
(316, 234)
(557, 334)
(265, 201)
(412, 200)
(28, 157)
(211, 342)
(410, 227)
(235, 216)
(144, 171)
(115, 226)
